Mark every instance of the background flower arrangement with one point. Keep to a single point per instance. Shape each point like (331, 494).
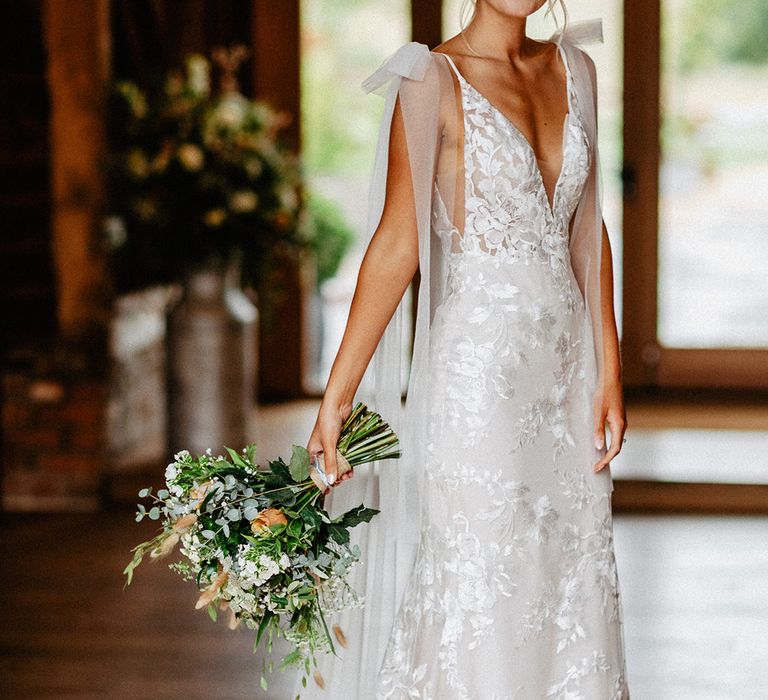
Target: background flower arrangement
(197, 175)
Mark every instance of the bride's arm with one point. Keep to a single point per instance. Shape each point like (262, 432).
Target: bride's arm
(389, 264)
(611, 412)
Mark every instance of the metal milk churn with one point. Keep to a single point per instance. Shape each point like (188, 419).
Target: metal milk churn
(212, 363)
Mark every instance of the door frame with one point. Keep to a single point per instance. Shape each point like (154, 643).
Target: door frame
(646, 362)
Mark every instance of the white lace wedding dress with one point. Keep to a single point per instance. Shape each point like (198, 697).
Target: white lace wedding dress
(514, 595)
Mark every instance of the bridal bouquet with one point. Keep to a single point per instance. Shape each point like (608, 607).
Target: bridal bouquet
(257, 541)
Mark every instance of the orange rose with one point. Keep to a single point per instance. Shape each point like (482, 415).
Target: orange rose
(267, 518)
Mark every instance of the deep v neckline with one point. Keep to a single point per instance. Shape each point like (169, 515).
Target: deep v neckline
(519, 132)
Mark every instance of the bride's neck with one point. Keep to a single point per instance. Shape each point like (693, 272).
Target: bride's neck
(492, 34)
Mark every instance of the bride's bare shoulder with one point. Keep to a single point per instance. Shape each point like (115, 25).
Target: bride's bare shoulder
(453, 47)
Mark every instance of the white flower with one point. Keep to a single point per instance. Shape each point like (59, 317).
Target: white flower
(171, 472)
(114, 229)
(191, 157)
(243, 201)
(230, 112)
(198, 71)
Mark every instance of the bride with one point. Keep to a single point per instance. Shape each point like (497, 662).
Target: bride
(490, 572)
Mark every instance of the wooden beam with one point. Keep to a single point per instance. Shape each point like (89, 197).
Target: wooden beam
(284, 317)
(427, 22)
(77, 38)
(641, 171)
(277, 58)
(672, 497)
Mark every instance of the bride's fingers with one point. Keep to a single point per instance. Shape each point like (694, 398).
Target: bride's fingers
(599, 437)
(617, 428)
(329, 459)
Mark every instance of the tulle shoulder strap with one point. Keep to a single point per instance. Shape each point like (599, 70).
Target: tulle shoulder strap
(587, 31)
(409, 61)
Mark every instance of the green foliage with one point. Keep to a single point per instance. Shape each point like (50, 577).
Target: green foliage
(721, 31)
(331, 236)
(299, 465)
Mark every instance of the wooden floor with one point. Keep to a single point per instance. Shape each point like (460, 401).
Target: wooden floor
(695, 598)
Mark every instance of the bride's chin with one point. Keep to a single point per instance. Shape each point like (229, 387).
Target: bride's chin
(514, 8)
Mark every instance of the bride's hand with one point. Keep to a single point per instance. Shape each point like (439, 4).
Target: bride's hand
(610, 413)
(325, 438)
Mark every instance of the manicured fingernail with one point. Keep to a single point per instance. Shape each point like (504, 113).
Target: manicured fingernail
(331, 478)
(598, 444)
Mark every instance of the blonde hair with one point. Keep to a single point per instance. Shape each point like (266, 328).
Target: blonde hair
(466, 5)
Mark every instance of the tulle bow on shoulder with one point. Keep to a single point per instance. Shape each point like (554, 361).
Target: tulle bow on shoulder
(588, 31)
(409, 61)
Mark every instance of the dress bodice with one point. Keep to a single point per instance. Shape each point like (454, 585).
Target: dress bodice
(507, 210)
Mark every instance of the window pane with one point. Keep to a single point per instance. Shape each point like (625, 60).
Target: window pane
(342, 41)
(713, 244)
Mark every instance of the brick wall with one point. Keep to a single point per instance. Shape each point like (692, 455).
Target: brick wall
(53, 419)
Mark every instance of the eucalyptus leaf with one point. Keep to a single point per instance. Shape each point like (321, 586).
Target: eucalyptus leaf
(251, 513)
(209, 534)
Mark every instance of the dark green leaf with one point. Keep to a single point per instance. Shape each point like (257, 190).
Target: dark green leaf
(279, 475)
(236, 458)
(207, 499)
(338, 533)
(299, 466)
(263, 626)
(357, 515)
(294, 528)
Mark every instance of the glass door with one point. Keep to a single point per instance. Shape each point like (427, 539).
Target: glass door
(699, 300)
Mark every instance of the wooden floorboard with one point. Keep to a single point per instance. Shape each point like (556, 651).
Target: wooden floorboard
(694, 594)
